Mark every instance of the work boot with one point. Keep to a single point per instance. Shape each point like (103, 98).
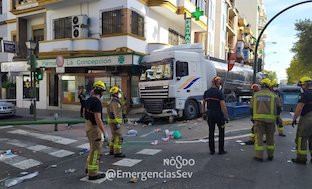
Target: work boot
(249, 142)
(295, 160)
(119, 155)
(99, 176)
(282, 135)
(222, 152)
(258, 159)
(270, 158)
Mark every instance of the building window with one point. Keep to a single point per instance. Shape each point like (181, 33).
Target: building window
(63, 28)
(137, 24)
(112, 22)
(38, 35)
(175, 38)
(27, 90)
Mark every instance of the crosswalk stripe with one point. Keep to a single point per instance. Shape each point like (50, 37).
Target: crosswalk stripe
(84, 146)
(19, 162)
(55, 139)
(149, 151)
(39, 148)
(127, 162)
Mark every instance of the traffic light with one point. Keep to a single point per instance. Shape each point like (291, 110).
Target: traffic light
(39, 74)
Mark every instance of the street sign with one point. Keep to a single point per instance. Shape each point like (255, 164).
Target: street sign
(188, 30)
(59, 61)
(8, 46)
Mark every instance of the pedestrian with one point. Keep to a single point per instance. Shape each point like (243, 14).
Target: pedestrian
(216, 113)
(254, 88)
(279, 121)
(95, 130)
(264, 107)
(115, 120)
(82, 98)
(304, 129)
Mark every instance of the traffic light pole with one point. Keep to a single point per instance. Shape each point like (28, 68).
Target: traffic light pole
(255, 66)
(34, 81)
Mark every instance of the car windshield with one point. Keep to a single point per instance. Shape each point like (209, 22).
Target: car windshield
(161, 70)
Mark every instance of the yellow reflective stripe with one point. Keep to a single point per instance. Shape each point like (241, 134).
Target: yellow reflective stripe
(264, 116)
(95, 156)
(280, 129)
(93, 167)
(259, 148)
(271, 147)
(299, 150)
(116, 120)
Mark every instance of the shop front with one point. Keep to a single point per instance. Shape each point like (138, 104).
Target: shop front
(66, 75)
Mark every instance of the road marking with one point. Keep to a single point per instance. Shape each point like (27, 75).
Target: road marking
(84, 146)
(145, 135)
(26, 164)
(52, 138)
(206, 140)
(126, 162)
(149, 151)
(98, 181)
(6, 127)
(19, 162)
(39, 148)
(61, 153)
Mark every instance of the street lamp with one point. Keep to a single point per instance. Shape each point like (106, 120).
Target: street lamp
(31, 46)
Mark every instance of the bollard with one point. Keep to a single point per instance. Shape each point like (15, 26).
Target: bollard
(55, 125)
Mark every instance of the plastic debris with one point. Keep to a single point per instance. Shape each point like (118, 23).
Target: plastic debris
(132, 132)
(107, 153)
(242, 150)
(53, 166)
(8, 153)
(135, 123)
(24, 173)
(289, 161)
(150, 124)
(17, 180)
(239, 141)
(83, 151)
(133, 180)
(242, 143)
(155, 142)
(177, 135)
(157, 130)
(293, 150)
(70, 171)
(203, 140)
(165, 181)
(165, 139)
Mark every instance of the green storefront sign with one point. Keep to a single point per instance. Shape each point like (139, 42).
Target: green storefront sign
(188, 30)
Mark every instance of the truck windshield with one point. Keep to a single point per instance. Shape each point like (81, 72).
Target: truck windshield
(161, 70)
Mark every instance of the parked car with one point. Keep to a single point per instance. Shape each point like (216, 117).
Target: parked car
(7, 109)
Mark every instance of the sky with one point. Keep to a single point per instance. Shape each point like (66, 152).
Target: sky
(282, 31)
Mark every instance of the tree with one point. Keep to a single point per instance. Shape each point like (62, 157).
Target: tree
(301, 64)
(270, 74)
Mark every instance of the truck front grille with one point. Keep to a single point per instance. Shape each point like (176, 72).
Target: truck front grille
(153, 106)
(154, 92)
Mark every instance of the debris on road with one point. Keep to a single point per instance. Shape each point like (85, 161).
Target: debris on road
(243, 143)
(155, 142)
(133, 180)
(289, 161)
(165, 139)
(17, 180)
(24, 173)
(149, 124)
(242, 150)
(239, 141)
(70, 171)
(53, 166)
(157, 130)
(177, 135)
(83, 151)
(133, 132)
(144, 125)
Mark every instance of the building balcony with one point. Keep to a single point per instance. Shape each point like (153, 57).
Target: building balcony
(233, 12)
(60, 3)
(68, 46)
(242, 22)
(230, 28)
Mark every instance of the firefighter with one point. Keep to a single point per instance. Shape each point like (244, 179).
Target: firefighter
(264, 105)
(254, 88)
(216, 113)
(115, 120)
(95, 130)
(304, 129)
(279, 121)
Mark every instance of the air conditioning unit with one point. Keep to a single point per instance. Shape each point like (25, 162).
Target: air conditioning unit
(80, 32)
(80, 20)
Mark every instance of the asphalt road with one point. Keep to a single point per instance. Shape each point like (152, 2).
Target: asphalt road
(38, 148)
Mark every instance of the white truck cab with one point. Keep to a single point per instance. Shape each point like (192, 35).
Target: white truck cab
(175, 80)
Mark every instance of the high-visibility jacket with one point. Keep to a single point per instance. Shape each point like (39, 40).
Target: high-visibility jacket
(264, 105)
(114, 111)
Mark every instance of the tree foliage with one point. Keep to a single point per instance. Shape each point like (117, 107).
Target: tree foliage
(270, 74)
(301, 64)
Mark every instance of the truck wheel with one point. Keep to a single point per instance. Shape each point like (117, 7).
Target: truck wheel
(191, 110)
